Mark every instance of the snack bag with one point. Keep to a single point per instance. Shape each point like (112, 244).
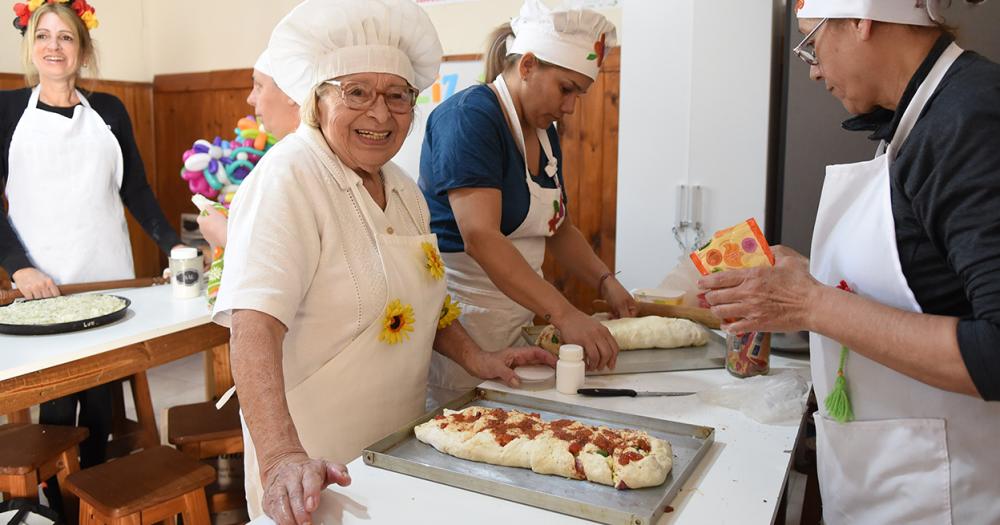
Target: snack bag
(742, 246)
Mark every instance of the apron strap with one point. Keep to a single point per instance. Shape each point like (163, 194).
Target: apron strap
(507, 104)
(920, 98)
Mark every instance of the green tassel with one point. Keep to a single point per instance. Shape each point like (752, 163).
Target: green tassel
(838, 403)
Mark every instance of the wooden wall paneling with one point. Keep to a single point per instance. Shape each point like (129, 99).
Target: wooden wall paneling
(138, 100)
(190, 107)
(589, 141)
(609, 156)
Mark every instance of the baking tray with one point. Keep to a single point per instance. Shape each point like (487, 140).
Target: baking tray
(402, 452)
(72, 326)
(711, 355)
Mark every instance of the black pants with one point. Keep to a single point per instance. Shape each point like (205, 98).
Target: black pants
(95, 416)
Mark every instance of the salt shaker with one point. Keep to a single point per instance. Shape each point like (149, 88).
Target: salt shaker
(185, 270)
(569, 369)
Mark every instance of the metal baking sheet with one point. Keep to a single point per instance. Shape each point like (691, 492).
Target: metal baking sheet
(712, 355)
(402, 452)
(72, 326)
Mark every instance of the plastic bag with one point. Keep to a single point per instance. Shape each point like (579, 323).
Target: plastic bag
(778, 398)
(684, 277)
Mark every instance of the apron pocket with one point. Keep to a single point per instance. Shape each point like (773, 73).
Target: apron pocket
(883, 471)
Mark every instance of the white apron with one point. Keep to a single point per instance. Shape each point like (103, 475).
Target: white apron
(371, 388)
(492, 319)
(915, 454)
(62, 186)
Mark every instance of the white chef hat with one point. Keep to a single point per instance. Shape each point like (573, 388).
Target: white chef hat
(911, 12)
(263, 63)
(324, 39)
(574, 39)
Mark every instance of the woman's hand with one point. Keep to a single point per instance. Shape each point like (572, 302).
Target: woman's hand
(621, 302)
(292, 486)
(600, 350)
(765, 299)
(212, 224)
(500, 365)
(34, 284)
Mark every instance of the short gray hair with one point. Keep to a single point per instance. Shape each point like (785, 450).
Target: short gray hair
(310, 107)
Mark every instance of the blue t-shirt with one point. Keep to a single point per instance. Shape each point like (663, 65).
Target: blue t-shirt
(467, 144)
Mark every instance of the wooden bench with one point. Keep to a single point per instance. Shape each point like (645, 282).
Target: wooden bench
(144, 488)
(31, 454)
(202, 431)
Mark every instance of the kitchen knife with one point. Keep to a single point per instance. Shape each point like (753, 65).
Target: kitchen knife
(619, 392)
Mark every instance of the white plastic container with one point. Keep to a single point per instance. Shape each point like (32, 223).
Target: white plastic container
(570, 369)
(185, 272)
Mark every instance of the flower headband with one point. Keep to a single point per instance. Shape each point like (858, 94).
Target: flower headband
(83, 10)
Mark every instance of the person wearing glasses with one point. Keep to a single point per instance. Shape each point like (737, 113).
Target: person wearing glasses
(333, 285)
(491, 171)
(908, 365)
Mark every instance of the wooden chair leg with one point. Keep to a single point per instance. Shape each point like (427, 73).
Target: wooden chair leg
(196, 508)
(21, 416)
(68, 464)
(22, 486)
(144, 410)
(88, 514)
(132, 519)
(222, 374)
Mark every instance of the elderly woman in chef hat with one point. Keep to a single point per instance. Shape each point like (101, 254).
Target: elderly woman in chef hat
(492, 174)
(909, 365)
(334, 288)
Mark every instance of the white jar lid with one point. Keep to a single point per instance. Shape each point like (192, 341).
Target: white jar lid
(183, 252)
(534, 373)
(571, 352)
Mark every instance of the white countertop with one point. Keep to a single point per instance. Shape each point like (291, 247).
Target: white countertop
(739, 481)
(153, 313)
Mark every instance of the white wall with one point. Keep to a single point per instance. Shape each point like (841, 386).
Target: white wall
(695, 84)
(140, 39)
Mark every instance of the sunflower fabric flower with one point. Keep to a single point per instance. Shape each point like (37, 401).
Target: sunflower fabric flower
(398, 323)
(449, 312)
(432, 261)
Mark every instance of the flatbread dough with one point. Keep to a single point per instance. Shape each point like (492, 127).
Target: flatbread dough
(638, 333)
(617, 457)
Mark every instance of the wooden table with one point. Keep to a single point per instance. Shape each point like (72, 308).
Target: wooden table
(739, 481)
(156, 330)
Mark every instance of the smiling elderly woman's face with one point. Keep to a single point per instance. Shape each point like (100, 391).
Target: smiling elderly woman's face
(366, 137)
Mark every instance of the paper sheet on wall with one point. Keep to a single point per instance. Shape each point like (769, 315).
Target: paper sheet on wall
(455, 76)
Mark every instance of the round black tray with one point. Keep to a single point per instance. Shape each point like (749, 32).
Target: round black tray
(72, 326)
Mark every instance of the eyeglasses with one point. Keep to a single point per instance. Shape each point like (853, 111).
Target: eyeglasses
(806, 50)
(361, 96)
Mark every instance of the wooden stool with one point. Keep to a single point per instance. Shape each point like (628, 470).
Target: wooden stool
(31, 454)
(150, 486)
(127, 435)
(202, 431)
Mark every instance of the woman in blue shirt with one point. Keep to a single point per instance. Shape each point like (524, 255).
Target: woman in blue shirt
(491, 173)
